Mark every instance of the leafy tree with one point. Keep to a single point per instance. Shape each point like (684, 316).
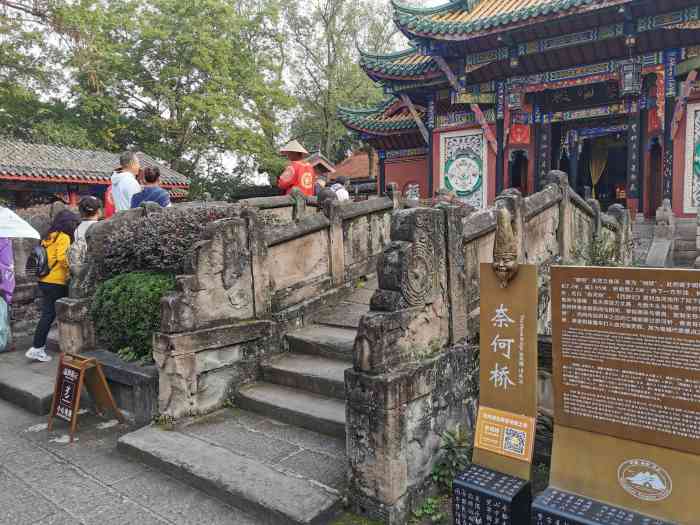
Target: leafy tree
(189, 78)
(186, 82)
(324, 66)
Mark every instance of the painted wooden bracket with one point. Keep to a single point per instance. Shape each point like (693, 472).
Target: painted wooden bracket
(445, 67)
(682, 103)
(476, 109)
(488, 132)
(419, 121)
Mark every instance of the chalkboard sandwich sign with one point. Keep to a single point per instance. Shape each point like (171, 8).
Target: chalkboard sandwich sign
(73, 373)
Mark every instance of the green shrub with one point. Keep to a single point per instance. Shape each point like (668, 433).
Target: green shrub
(126, 312)
(457, 447)
(159, 242)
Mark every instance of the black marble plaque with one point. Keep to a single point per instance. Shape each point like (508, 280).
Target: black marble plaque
(556, 507)
(481, 496)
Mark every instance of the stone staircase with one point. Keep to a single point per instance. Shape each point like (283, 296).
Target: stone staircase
(280, 454)
(643, 236)
(685, 251)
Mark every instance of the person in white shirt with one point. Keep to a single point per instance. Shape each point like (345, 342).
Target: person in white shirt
(89, 208)
(339, 188)
(124, 183)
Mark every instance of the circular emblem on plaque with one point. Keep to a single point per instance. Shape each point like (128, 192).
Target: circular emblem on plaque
(645, 480)
(463, 175)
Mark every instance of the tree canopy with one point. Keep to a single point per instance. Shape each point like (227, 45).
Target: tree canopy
(212, 87)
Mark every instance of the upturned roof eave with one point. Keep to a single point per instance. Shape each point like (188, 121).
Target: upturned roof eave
(462, 31)
(378, 76)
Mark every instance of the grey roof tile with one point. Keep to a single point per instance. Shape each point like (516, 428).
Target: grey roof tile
(44, 161)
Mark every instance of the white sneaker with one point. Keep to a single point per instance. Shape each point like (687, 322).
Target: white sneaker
(38, 354)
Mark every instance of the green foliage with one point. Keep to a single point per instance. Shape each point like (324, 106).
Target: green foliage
(457, 446)
(601, 252)
(161, 242)
(185, 82)
(432, 511)
(326, 70)
(126, 312)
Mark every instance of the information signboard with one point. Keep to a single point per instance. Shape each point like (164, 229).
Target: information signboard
(508, 372)
(626, 355)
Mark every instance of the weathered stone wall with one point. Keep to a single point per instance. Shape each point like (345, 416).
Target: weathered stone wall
(199, 370)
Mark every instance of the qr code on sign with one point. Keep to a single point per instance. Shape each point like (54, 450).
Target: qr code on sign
(514, 441)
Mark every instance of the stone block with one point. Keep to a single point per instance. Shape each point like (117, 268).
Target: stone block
(395, 422)
(75, 327)
(212, 338)
(134, 387)
(387, 340)
(481, 495)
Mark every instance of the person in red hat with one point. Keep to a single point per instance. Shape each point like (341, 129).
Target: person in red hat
(299, 174)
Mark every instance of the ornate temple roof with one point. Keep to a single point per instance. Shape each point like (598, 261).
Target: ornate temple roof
(459, 18)
(389, 117)
(404, 65)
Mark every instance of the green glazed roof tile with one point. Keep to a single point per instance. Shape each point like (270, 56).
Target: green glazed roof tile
(457, 18)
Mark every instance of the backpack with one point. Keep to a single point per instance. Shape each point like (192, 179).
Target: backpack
(77, 254)
(38, 262)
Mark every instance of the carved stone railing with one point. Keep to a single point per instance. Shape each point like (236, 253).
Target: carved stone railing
(249, 278)
(426, 307)
(251, 281)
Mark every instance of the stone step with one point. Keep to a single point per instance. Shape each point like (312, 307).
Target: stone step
(318, 413)
(26, 383)
(684, 259)
(343, 315)
(269, 494)
(686, 230)
(318, 375)
(686, 246)
(324, 341)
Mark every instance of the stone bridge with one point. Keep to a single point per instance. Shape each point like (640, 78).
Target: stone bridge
(357, 321)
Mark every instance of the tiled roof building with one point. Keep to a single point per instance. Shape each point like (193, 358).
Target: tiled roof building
(493, 94)
(45, 168)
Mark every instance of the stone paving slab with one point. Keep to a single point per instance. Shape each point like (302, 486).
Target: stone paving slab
(271, 495)
(44, 480)
(343, 315)
(274, 443)
(26, 383)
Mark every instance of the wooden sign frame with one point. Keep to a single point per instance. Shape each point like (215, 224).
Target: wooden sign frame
(73, 373)
(595, 455)
(508, 343)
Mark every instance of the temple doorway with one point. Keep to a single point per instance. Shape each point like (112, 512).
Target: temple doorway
(518, 168)
(603, 169)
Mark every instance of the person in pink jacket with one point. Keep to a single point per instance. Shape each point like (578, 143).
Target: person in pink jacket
(7, 288)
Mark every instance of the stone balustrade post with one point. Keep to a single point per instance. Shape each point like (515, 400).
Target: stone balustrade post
(75, 327)
(337, 250)
(623, 236)
(262, 294)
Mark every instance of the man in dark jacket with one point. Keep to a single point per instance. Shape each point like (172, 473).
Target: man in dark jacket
(152, 192)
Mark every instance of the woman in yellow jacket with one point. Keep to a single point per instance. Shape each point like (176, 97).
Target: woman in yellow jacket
(54, 285)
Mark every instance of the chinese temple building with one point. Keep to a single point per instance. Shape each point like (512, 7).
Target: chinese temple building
(34, 173)
(493, 94)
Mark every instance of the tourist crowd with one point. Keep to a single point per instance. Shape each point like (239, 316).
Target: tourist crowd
(64, 246)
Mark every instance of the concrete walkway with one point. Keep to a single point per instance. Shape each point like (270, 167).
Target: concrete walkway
(46, 481)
